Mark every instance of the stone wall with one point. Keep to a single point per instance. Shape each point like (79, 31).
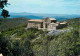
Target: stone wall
(34, 25)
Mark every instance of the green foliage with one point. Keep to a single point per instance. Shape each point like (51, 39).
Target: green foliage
(64, 44)
(24, 25)
(13, 47)
(33, 29)
(11, 31)
(25, 47)
(11, 22)
(29, 35)
(4, 45)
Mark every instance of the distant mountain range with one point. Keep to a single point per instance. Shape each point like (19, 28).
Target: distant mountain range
(41, 16)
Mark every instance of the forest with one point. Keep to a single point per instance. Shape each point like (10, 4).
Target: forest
(6, 23)
(19, 41)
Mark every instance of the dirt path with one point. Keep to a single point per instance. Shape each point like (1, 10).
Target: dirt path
(36, 38)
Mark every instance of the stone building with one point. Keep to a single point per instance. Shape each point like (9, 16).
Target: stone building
(46, 23)
(35, 23)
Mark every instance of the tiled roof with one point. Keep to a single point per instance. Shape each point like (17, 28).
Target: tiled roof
(36, 20)
(52, 18)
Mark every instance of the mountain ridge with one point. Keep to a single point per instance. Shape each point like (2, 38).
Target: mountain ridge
(41, 16)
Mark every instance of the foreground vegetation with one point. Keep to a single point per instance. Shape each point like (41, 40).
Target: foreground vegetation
(18, 41)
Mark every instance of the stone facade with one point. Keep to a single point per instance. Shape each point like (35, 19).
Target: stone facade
(46, 23)
(35, 23)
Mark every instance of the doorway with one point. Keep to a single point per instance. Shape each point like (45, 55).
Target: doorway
(46, 25)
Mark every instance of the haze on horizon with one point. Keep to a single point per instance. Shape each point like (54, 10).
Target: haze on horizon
(45, 6)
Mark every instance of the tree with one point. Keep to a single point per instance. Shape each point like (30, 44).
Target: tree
(15, 49)
(4, 13)
(3, 3)
(4, 46)
(25, 46)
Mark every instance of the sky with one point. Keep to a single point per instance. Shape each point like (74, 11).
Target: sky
(45, 6)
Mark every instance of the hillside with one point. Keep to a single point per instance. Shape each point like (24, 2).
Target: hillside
(36, 42)
(13, 22)
(64, 44)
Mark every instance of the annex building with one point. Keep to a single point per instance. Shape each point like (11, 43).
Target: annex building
(46, 23)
